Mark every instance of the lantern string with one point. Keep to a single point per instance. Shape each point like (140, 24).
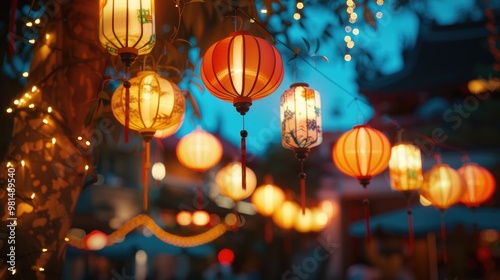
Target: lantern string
(243, 134)
(366, 204)
(443, 236)
(147, 164)
(127, 85)
(410, 225)
(302, 177)
(474, 222)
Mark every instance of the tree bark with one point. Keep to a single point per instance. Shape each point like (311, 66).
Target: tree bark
(67, 69)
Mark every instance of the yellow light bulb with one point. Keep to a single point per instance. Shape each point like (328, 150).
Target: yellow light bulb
(49, 109)
(37, 21)
(296, 16)
(25, 74)
(29, 24)
(45, 121)
(32, 195)
(9, 110)
(33, 89)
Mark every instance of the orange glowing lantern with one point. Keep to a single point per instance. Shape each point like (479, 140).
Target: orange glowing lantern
(199, 150)
(319, 219)
(155, 103)
(405, 167)
(303, 221)
(479, 184)
(239, 69)
(285, 215)
(229, 181)
(267, 198)
(169, 131)
(443, 186)
(362, 153)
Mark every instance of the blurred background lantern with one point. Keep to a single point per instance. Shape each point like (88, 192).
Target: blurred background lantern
(300, 111)
(362, 153)
(405, 171)
(200, 218)
(199, 150)
(158, 171)
(127, 29)
(155, 103)
(319, 219)
(183, 218)
(479, 184)
(303, 221)
(266, 199)
(284, 216)
(239, 69)
(228, 181)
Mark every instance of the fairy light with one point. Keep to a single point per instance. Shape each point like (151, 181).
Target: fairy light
(22, 162)
(44, 250)
(87, 143)
(300, 5)
(41, 269)
(9, 110)
(350, 44)
(14, 271)
(49, 110)
(37, 21)
(263, 11)
(348, 29)
(31, 41)
(86, 167)
(79, 138)
(66, 239)
(53, 141)
(16, 102)
(47, 36)
(32, 106)
(29, 24)
(296, 16)
(347, 57)
(355, 31)
(9, 164)
(379, 15)
(25, 74)
(347, 38)
(33, 89)
(21, 101)
(45, 121)
(380, 2)
(33, 196)
(27, 95)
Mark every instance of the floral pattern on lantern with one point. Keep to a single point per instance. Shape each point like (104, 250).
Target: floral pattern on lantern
(229, 181)
(267, 198)
(300, 111)
(405, 167)
(199, 150)
(362, 153)
(155, 103)
(443, 186)
(479, 184)
(127, 26)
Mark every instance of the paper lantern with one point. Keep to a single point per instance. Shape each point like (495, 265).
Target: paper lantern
(319, 219)
(443, 186)
(169, 131)
(228, 180)
(239, 69)
(300, 111)
(267, 198)
(362, 153)
(303, 221)
(285, 215)
(199, 150)
(127, 28)
(149, 104)
(405, 167)
(479, 184)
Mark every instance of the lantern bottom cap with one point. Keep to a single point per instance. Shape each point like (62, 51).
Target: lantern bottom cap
(242, 104)
(147, 134)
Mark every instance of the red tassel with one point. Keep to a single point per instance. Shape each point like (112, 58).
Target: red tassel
(147, 165)
(243, 160)
(410, 227)
(127, 112)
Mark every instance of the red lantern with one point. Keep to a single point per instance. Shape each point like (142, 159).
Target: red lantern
(239, 69)
(479, 184)
(362, 153)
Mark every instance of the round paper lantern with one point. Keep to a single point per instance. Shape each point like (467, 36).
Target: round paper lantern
(303, 221)
(169, 131)
(228, 180)
(443, 186)
(199, 150)
(239, 69)
(362, 153)
(158, 171)
(127, 28)
(285, 214)
(479, 184)
(405, 167)
(300, 111)
(155, 103)
(267, 198)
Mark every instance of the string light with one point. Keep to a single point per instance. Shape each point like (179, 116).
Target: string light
(347, 57)
(79, 138)
(44, 250)
(47, 36)
(14, 271)
(37, 21)
(53, 141)
(350, 44)
(355, 31)
(66, 239)
(379, 14)
(25, 74)
(347, 38)
(263, 11)
(296, 16)
(86, 167)
(33, 89)
(45, 121)
(16, 102)
(22, 162)
(31, 41)
(87, 143)
(41, 269)
(33, 196)
(9, 164)
(29, 24)
(9, 110)
(27, 95)
(300, 5)
(32, 106)
(49, 110)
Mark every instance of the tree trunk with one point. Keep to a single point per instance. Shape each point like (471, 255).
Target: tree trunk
(67, 69)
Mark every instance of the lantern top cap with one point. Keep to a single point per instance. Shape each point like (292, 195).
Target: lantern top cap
(241, 32)
(299, 85)
(361, 125)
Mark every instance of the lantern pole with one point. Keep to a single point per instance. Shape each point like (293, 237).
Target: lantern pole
(242, 105)
(147, 135)
(301, 154)
(128, 57)
(366, 203)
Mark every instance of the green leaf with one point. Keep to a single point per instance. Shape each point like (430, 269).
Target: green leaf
(308, 46)
(103, 95)
(317, 45)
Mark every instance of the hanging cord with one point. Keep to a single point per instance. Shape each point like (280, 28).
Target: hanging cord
(443, 236)
(243, 134)
(366, 206)
(474, 222)
(127, 85)
(147, 165)
(302, 177)
(411, 236)
(199, 199)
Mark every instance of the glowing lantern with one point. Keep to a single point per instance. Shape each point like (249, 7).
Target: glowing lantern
(443, 186)
(267, 198)
(158, 171)
(96, 240)
(199, 150)
(300, 111)
(229, 178)
(183, 218)
(200, 218)
(285, 215)
(405, 167)
(155, 103)
(127, 28)
(479, 184)
(319, 219)
(362, 153)
(239, 69)
(303, 221)
(169, 131)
